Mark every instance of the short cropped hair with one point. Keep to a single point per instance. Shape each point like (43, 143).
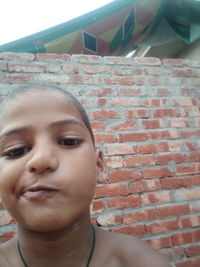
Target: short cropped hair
(18, 91)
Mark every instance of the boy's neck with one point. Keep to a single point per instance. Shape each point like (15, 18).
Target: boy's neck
(68, 247)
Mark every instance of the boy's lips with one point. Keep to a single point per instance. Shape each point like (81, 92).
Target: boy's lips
(38, 192)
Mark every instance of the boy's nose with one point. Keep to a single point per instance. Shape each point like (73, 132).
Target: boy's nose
(42, 160)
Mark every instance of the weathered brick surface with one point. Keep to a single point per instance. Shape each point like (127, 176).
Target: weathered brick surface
(145, 115)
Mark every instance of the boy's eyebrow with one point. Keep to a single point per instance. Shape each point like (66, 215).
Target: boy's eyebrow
(62, 122)
(67, 122)
(13, 131)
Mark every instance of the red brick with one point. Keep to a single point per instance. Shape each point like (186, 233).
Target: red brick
(53, 68)
(109, 190)
(190, 91)
(136, 230)
(133, 137)
(188, 169)
(133, 217)
(97, 206)
(156, 172)
(151, 124)
(121, 203)
(18, 56)
(3, 66)
(179, 123)
(175, 182)
(161, 227)
(184, 237)
(120, 149)
(162, 92)
(119, 81)
(6, 236)
(123, 102)
(187, 194)
(130, 92)
(117, 60)
(92, 69)
(152, 71)
(162, 159)
(114, 162)
(104, 114)
(156, 198)
(193, 156)
(195, 179)
(137, 113)
(174, 210)
(134, 161)
(52, 57)
(136, 187)
(152, 148)
(88, 101)
(189, 263)
(190, 221)
(70, 68)
(163, 113)
(104, 92)
(153, 81)
(16, 78)
(177, 146)
(195, 206)
(124, 175)
(151, 185)
(164, 134)
(185, 101)
(192, 250)
(174, 62)
(24, 67)
(155, 102)
(52, 78)
(152, 61)
(97, 125)
(163, 242)
(127, 125)
(102, 102)
(150, 214)
(104, 138)
(189, 134)
(84, 79)
(122, 71)
(185, 72)
(86, 58)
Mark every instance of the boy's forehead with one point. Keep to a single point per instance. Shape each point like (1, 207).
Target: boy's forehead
(40, 100)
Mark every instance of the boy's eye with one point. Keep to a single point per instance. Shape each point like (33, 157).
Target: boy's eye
(16, 152)
(70, 142)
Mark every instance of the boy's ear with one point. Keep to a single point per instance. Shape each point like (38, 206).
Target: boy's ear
(102, 170)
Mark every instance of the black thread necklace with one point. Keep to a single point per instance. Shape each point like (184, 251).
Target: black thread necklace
(89, 258)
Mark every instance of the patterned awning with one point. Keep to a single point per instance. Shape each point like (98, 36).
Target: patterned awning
(116, 28)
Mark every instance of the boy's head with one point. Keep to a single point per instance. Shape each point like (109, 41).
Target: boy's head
(15, 93)
(47, 156)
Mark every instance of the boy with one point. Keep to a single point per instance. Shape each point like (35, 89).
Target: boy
(48, 171)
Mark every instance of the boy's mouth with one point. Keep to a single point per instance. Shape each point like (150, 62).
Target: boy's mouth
(38, 192)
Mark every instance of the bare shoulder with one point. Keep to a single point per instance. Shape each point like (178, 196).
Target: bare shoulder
(132, 251)
(6, 254)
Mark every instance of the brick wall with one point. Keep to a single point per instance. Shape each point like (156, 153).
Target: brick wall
(146, 117)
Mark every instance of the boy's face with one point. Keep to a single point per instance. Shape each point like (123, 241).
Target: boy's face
(48, 163)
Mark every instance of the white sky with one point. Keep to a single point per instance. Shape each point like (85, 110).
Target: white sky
(20, 18)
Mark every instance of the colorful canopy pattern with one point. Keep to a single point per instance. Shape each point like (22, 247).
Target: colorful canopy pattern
(114, 29)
